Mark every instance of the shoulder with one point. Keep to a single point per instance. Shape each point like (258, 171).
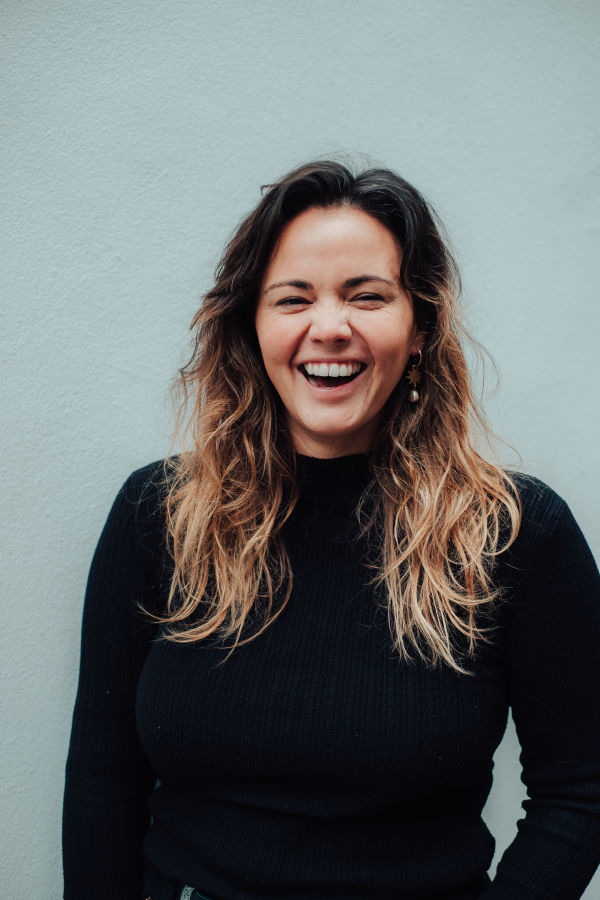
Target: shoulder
(541, 506)
(150, 483)
(548, 533)
(142, 499)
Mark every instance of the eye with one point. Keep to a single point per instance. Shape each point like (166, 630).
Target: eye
(369, 299)
(292, 301)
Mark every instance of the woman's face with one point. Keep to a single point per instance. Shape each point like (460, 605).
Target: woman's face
(335, 327)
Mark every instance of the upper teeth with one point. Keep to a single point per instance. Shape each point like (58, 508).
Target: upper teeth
(332, 370)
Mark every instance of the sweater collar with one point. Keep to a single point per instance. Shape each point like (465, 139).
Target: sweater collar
(343, 476)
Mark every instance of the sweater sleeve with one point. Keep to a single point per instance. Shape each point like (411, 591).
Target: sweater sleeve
(553, 676)
(108, 777)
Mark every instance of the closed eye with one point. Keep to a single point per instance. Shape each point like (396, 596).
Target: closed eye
(291, 301)
(368, 298)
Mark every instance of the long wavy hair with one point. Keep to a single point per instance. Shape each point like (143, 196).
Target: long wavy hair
(443, 512)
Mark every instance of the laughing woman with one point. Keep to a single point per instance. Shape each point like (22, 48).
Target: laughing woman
(302, 636)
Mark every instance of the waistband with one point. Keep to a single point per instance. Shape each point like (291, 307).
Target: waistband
(158, 886)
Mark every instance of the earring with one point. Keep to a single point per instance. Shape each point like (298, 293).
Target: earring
(414, 378)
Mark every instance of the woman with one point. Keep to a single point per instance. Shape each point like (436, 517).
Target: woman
(302, 695)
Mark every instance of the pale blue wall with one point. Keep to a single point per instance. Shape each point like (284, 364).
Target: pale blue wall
(134, 136)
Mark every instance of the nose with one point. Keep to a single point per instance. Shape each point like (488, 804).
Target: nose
(329, 323)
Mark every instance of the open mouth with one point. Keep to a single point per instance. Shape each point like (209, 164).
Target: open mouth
(331, 375)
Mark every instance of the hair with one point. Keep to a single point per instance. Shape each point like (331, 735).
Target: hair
(443, 512)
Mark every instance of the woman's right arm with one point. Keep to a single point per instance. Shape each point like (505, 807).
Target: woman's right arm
(108, 777)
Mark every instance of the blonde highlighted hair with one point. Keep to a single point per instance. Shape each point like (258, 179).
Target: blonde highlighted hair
(443, 512)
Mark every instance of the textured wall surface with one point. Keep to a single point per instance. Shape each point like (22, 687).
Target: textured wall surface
(134, 137)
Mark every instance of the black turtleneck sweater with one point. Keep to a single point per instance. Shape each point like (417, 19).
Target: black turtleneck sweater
(313, 764)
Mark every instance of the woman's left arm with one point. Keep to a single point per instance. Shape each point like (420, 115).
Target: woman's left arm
(553, 672)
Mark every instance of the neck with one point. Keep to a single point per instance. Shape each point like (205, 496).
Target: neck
(333, 446)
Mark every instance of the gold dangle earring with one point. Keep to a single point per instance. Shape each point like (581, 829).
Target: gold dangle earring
(414, 378)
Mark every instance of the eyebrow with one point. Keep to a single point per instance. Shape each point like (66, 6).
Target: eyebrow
(307, 286)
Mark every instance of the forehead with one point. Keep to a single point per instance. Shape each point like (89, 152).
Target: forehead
(341, 237)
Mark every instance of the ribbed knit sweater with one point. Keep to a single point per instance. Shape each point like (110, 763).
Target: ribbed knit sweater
(314, 764)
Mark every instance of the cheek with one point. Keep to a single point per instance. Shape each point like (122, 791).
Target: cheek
(272, 354)
(393, 359)
(274, 341)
